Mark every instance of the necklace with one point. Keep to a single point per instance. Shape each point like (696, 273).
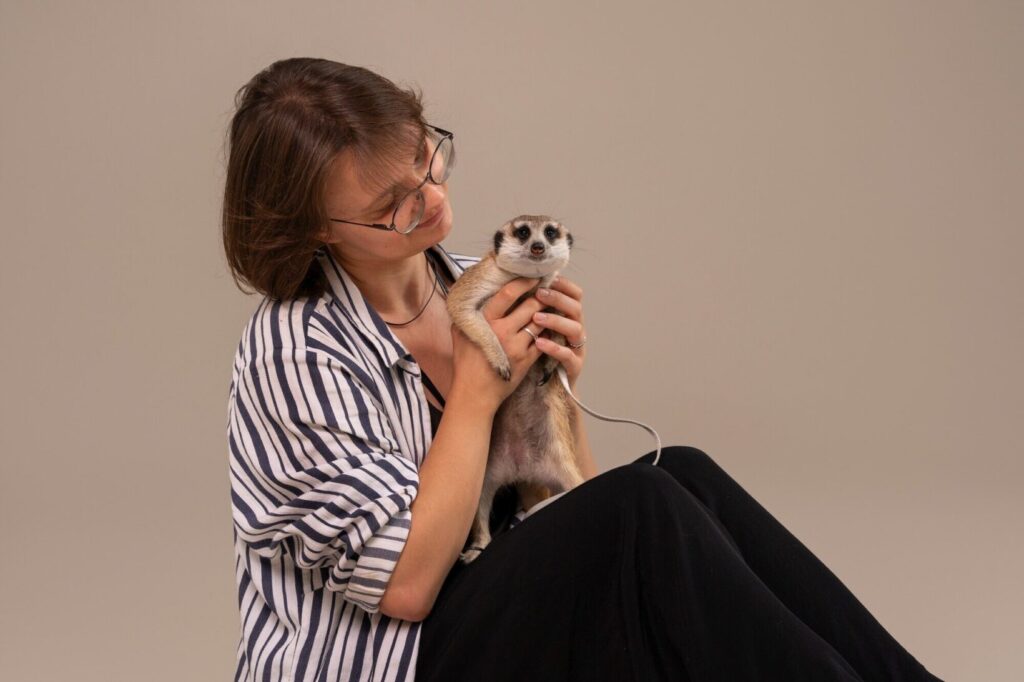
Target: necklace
(437, 280)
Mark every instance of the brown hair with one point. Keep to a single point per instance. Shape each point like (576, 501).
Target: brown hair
(290, 123)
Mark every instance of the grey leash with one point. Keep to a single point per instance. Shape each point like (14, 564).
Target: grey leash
(565, 382)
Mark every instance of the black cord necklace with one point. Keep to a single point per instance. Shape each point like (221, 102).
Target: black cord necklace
(437, 280)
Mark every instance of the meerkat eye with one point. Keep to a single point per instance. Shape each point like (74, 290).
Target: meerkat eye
(551, 232)
(522, 232)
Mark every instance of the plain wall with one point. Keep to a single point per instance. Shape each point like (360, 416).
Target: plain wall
(798, 230)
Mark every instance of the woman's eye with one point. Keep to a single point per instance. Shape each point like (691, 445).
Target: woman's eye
(387, 209)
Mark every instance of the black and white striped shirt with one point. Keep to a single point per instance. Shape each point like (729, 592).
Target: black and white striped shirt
(327, 429)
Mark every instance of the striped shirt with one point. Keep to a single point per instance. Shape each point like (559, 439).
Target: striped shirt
(327, 428)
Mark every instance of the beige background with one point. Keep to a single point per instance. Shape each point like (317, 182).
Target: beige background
(798, 228)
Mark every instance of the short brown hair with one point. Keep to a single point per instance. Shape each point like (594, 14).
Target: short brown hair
(290, 123)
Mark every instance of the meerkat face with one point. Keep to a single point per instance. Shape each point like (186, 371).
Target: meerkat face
(532, 246)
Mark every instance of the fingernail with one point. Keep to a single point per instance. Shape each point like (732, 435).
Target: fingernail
(555, 280)
(540, 317)
(542, 292)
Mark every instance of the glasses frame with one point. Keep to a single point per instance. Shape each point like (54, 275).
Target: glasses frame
(381, 226)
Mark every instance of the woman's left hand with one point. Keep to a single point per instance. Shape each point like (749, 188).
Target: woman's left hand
(566, 297)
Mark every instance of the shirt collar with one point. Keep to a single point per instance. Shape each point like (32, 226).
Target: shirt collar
(361, 314)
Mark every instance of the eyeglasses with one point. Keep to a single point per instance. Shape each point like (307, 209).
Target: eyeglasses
(409, 209)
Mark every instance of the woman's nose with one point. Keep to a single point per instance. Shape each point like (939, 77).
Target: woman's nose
(433, 196)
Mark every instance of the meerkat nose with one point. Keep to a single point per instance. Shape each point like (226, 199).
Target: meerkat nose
(537, 247)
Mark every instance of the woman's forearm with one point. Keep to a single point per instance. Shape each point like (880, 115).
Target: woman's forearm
(451, 478)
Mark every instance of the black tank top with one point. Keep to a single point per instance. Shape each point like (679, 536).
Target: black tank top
(435, 414)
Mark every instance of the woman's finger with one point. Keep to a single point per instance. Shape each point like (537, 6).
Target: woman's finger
(499, 304)
(522, 345)
(570, 329)
(522, 315)
(568, 287)
(572, 362)
(561, 301)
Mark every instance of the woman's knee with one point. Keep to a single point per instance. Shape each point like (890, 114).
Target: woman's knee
(635, 480)
(679, 453)
(679, 466)
(611, 499)
(643, 496)
(649, 495)
(684, 459)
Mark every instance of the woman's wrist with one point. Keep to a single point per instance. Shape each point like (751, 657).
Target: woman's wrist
(467, 399)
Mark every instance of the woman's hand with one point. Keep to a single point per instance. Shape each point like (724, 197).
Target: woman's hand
(473, 374)
(567, 298)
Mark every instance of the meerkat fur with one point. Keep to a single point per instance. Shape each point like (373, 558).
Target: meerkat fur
(532, 437)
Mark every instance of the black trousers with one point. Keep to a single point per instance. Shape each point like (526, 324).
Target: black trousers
(645, 573)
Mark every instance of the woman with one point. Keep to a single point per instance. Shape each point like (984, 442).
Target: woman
(359, 422)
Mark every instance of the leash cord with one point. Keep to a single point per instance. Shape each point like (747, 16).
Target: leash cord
(565, 382)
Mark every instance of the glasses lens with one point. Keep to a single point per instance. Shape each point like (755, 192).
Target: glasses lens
(444, 159)
(409, 212)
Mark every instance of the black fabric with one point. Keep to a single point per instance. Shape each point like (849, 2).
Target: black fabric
(435, 414)
(432, 388)
(435, 418)
(645, 573)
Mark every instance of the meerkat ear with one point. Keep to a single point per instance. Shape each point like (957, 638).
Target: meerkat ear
(568, 236)
(499, 237)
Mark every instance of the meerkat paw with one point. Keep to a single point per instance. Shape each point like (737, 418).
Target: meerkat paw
(501, 364)
(477, 542)
(470, 555)
(550, 366)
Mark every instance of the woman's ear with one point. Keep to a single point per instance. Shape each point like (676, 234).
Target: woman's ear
(326, 235)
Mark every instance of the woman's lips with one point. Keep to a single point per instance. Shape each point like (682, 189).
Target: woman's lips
(430, 221)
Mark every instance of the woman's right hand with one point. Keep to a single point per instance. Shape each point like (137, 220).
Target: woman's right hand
(473, 374)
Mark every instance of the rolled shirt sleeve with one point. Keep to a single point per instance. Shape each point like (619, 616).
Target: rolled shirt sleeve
(316, 477)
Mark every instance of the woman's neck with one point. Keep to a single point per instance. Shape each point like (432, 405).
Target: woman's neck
(395, 289)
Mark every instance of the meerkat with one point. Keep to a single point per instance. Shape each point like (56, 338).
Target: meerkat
(532, 441)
